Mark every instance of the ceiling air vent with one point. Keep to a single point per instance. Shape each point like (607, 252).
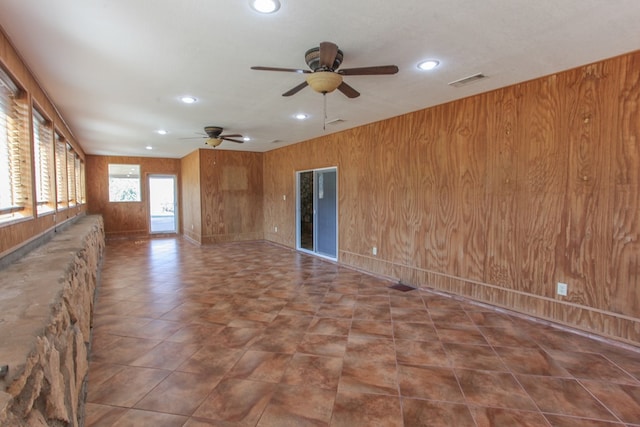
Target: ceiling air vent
(467, 80)
(275, 141)
(333, 121)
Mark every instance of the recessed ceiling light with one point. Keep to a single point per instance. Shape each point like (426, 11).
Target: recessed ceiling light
(162, 131)
(265, 6)
(246, 138)
(188, 99)
(428, 64)
(148, 147)
(301, 116)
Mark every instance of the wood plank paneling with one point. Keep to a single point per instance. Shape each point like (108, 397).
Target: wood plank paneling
(468, 148)
(191, 201)
(586, 128)
(279, 212)
(501, 192)
(355, 195)
(425, 165)
(232, 195)
(449, 149)
(387, 171)
(542, 159)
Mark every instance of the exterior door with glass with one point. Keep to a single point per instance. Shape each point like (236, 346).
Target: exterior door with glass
(317, 213)
(162, 204)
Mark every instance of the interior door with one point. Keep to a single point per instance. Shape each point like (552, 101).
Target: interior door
(162, 204)
(317, 213)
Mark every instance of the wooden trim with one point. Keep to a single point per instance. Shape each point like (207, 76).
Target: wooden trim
(592, 320)
(12, 209)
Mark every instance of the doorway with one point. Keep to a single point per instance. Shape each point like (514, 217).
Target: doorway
(162, 204)
(317, 212)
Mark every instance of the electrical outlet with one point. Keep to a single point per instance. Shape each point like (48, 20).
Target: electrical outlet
(374, 251)
(284, 197)
(276, 228)
(562, 289)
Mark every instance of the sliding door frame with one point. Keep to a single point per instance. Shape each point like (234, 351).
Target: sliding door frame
(318, 192)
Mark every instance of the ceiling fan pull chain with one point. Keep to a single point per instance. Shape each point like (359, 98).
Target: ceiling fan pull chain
(324, 121)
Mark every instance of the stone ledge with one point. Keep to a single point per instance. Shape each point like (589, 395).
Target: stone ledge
(46, 305)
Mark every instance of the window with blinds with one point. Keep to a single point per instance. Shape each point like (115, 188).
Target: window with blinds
(15, 161)
(43, 162)
(78, 178)
(71, 176)
(62, 199)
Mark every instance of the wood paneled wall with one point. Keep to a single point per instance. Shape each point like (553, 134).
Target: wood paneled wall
(124, 218)
(231, 193)
(496, 197)
(191, 200)
(16, 234)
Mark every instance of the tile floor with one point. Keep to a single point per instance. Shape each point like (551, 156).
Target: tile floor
(252, 334)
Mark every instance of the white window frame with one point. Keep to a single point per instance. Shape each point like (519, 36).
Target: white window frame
(72, 196)
(78, 177)
(125, 183)
(62, 200)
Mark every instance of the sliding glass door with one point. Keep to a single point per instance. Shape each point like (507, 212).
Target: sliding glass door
(317, 212)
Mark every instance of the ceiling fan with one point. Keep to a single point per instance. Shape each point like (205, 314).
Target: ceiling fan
(324, 76)
(215, 137)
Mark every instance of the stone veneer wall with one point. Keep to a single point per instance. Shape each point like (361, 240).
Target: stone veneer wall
(46, 306)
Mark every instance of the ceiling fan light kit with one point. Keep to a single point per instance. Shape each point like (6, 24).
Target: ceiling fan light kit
(324, 81)
(213, 142)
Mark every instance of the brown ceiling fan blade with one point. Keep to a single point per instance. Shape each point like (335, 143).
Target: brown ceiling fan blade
(289, 70)
(369, 71)
(328, 52)
(231, 139)
(195, 137)
(296, 89)
(348, 90)
(231, 135)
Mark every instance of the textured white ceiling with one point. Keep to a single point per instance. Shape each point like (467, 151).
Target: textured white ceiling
(117, 68)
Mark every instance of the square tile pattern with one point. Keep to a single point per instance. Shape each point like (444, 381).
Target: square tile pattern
(253, 334)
